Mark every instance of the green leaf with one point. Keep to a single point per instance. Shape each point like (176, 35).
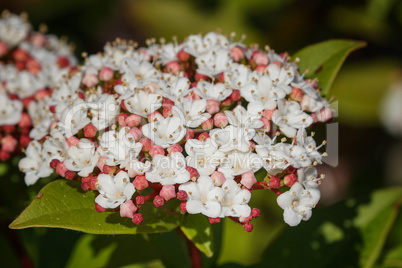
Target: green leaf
(63, 204)
(197, 229)
(323, 60)
(394, 257)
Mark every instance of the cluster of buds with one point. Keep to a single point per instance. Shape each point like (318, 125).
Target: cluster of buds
(192, 121)
(31, 63)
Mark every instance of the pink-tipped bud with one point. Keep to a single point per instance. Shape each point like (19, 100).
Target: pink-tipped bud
(69, 175)
(218, 178)
(151, 117)
(324, 114)
(248, 227)
(106, 74)
(314, 117)
(8, 128)
(267, 124)
(227, 102)
(137, 218)
(182, 195)
(101, 162)
(24, 141)
(167, 103)
(38, 40)
(90, 131)
(175, 148)
(212, 106)
(260, 57)
(296, 94)
(183, 55)
(203, 136)
(220, 120)
(268, 114)
(245, 219)
(137, 133)
(140, 182)
(189, 134)
(156, 149)
(4, 155)
(72, 141)
(53, 164)
(90, 80)
(9, 143)
(146, 144)
(140, 200)
(33, 66)
(93, 183)
(99, 208)
(261, 68)
(173, 67)
(168, 192)
(193, 172)
(167, 112)
(42, 94)
(199, 76)
(183, 207)
(61, 169)
(214, 220)
(20, 55)
(274, 183)
(248, 179)
(127, 209)
(290, 179)
(207, 124)
(87, 178)
(85, 186)
(63, 62)
(121, 119)
(237, 53)
(3, 49)
(235, 96)
(108, 169)
(158, 201)
(133, 120)
(255, 212)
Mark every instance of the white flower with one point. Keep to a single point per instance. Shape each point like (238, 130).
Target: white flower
(203, 197)
(168, 170)
(202, 155)
(246, 120)
(238, 76)
(74, 117)
(164, 131)
(13, 29)
(289, 117)
(235, 201)
(231, 138)
(197, 45)
(119, 147)
(140, 69)
(143, 103)
(104, 111)
(236, 163)
(214, 62)
(10, 110)
(309, 178)
(207, 90)
(40, 129)
(281, 77)
(135, 167)
(192, 112)
(165, 53)
(297, 204)
(175, 88)
(82, 157)
(36, 163)
(24, 84)
(113, 191)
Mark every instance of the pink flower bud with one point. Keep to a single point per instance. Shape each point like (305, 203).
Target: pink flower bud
(106, 74)
(296, 94)
(9, 143)
(252, 146)
(183, 206)
(101, 162)
(168, 192)
(41, 94)
(181, 195)
(237, 53)
(274, 183)
(207, 124)
(38, 40)
(167, 103)
(87, 178)
(212, 106)
(175, 148)
(137, 133)
(72, 141)
(121, 119)
(218, 178)
(61, 169)
(85, 186)
(260, 58)
(90, 80)
(133, 120)
(25, 120)
(33, 66)
(9, 128)
(167, 112)
(24, 141)
(20, 55)
(289, 180)
(4, 155)
(156, 149)
(183, 55)
(189, 134)
(245, 219)
(214, 220)
(108, 169)
(53, 164)
(146, 144)
(151, 117)
(198, 77)
(312, 82)
(3, 49)
(69, 175)
(261, 68)
(267, 124)
(140, 200)
(158, 201)
(235, 96)
(248, 179)
(137, 218)
(93, 183)
(314, 117)
(98, 208)
(90, 131)
(193, 172)
(173, 67)
(248, 227)
(227, 102)
(268, 114)
(255, 212)
(203, 136)
(63, 62)
(324, 114)
(127, 209)
(140, 182)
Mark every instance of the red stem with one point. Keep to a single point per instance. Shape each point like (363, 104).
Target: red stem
(194, 252)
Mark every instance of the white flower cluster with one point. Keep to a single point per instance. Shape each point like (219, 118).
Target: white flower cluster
(31, 64)
(193, 121)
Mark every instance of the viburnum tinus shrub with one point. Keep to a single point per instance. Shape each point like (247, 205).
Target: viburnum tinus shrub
(31, 63)
(193, 121)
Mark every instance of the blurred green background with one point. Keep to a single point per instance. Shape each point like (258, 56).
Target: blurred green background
(369, 157)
